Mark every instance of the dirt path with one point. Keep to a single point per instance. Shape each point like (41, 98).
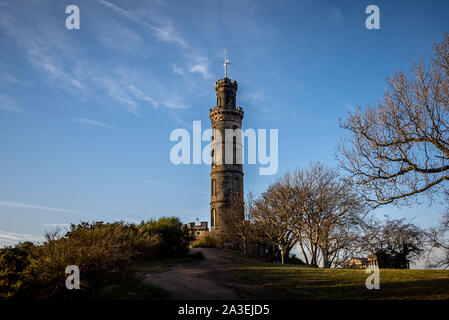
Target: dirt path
(208, 279)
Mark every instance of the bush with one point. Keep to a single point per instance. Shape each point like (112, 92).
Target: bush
(207, 241)
(13, 262)
(174, 236)
(106, 254)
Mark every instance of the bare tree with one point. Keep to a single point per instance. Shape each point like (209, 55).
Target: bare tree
(399, 148)
(395, 242)
(238, 230)
(438, 238)
(273, 213)
(327, 217)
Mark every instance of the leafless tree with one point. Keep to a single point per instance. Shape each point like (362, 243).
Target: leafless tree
(396, 242)
(314, 208)
(327, 216)
(238, 229)
(438, 238)
(273, 214)
(399, 148)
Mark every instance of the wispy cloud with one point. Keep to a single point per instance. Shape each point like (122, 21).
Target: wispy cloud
(138, 94)
(176, 187)
(63, 60)
(175, 105)
(93, 123)
(178, 70)
(12, 204)
(201, 68)
(165, 33)
(10, 238)
(7, 77)
(7, 104)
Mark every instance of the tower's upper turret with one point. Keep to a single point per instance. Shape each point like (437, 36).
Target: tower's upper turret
(226, 90)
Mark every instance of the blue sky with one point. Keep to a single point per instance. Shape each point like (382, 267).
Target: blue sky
(86, 115)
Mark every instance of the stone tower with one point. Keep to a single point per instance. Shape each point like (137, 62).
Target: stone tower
(226, 176)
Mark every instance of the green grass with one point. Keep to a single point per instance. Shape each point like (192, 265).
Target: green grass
(337, 284)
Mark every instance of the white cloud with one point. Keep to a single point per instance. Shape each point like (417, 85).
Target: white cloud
(10, 238)
(62, 59)
(115, 90)
(93, 123)
(165, 33)
(201, 68)
(31, 206)
(138, 94)
(175, 105)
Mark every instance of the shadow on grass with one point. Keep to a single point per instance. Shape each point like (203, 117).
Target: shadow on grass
(337, 284)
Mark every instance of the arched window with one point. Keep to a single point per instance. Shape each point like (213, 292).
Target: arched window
(218, 101)
(214, 217)
(214, 187)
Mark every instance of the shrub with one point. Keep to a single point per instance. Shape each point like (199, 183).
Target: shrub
(106, 254)
(207, 241)
(174, 236)
(13, 262)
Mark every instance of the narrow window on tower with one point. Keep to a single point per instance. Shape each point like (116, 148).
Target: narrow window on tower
(234, 147)
(218, 101)
(214, 217)
(234, 151)
(214, 187)
(212, 153)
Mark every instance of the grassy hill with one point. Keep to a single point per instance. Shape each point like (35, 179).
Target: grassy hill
(315, 283)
